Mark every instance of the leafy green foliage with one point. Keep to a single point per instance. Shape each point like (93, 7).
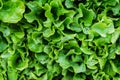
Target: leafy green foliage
(59, 40)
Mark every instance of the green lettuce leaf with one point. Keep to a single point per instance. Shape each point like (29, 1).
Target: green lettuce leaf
(100, 28)
(88, 15)
(12, 74)
(3, 44)
(79, 68)
(13, 11)
(63, 61)
(1, 77)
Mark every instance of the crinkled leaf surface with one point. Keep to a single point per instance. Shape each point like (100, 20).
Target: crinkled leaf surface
(12, 11)
(100, 28)
(59, 40)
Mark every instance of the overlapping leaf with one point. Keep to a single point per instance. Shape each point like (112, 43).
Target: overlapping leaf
(59, 40)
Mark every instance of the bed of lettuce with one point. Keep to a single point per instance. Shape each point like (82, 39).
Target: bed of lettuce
(59, 39)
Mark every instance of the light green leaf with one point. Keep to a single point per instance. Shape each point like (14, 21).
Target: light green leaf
(110, 28)
(15, 39)
(116, 78)
(85, 50)
(19, 34)
(48, 32)
(41, 57)
(16, 62)
(5, 54)
(44, 77)
(1, 4)
(5, 30)
(112, 54)
(36, 45)
(31, 15)
(115, 37)
(73, 43)
(77, 58)
(91, 62)
(118, 50)
(79, 68)
(40, 69)
(110, 3)
(81, 36)
(101, 76)
(116, 9)
(13, 11)
(3, 44)
(69, 4)
(88, 15)
(63, 61)
(102, 62)
(1, 77)
(100, 28)
(103, 40)
(75, 27)
(47, 49)
(12, 74)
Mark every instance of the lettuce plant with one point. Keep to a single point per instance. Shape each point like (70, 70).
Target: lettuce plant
(59, 40)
